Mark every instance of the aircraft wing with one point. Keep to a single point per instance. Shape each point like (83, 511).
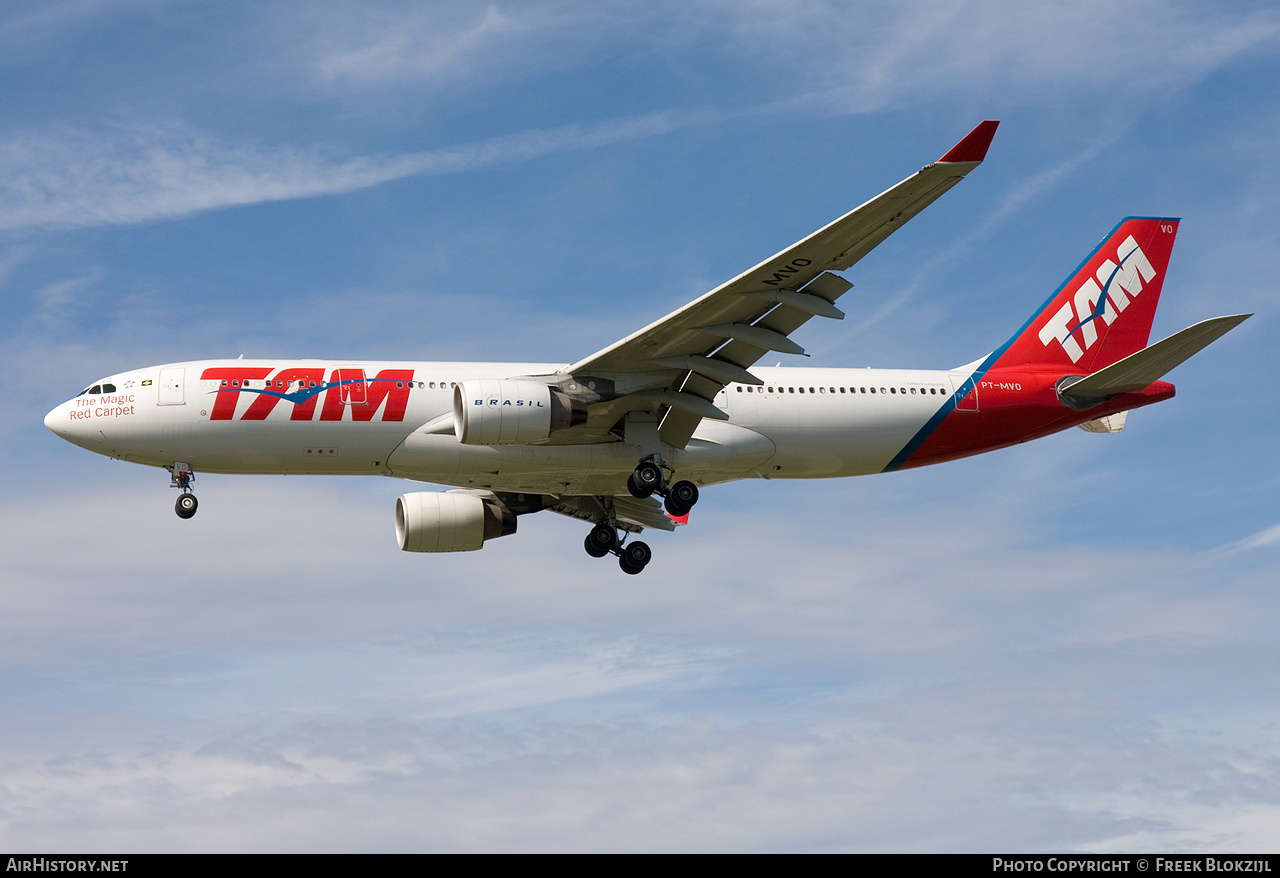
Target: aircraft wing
(683, 360)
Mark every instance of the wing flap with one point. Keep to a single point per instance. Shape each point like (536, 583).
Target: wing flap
(631, 514)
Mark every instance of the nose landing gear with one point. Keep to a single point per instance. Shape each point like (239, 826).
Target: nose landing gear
(181, 476)
(186, 505)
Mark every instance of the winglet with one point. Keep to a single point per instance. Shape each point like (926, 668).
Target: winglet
(973, 148)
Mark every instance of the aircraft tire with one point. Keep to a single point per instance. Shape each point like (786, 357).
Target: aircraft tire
(635, 490)
(186, 505)
(645, 480)
(634, 557)
(681, 498)
(601, 541)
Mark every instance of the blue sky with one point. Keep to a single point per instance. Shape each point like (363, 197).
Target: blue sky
(1067, 645)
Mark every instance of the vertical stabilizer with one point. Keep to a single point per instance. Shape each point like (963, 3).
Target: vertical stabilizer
(1103, 313)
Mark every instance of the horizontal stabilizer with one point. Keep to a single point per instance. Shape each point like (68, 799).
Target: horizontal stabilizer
(1139, 370)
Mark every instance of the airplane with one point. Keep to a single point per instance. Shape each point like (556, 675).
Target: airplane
(673, 408)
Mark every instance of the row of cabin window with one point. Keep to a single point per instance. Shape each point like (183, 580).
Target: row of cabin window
(903, 390)
(280, 382)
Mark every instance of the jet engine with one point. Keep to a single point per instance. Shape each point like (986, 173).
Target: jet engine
(455, 521)
(493, 412)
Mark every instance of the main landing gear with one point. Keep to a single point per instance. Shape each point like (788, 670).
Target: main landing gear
(181, 476)
(649, 478)
(603, 540)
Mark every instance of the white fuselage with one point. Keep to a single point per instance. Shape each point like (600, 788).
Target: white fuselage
(801, 423)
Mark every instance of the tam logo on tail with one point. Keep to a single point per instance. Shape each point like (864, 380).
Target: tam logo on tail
(1120, 283)
(1104, 311)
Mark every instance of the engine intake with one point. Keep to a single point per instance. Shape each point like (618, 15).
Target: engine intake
(495, 412)
(428, 521)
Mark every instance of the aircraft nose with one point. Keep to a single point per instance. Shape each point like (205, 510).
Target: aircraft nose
(51, 420)
(59, 421)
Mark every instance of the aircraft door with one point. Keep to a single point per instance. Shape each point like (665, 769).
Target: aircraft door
(966, 391)
(170, 390)
(352, 388)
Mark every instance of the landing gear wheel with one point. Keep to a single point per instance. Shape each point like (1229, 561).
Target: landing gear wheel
(186, 505)
(602, 540)
(634, 557)
(645, 480)
(681, 498)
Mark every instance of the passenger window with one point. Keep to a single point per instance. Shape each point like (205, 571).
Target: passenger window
(893, 390)
(739, 388)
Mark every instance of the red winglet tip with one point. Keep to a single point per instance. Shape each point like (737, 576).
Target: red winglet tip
(973, 148)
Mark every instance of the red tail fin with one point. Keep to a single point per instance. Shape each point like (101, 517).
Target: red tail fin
(1103, 313)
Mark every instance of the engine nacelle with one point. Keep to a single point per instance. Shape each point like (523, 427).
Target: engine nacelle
(493, 412)
(450, 522)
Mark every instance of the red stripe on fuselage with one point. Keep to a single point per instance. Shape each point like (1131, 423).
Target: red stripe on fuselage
(1016, 407)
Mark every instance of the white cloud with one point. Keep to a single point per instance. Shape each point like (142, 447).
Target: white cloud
(1261, 540)
(855, 61)
(851, 57)
(902, 675)
(132, 175)
(878, 55)
(936, 768)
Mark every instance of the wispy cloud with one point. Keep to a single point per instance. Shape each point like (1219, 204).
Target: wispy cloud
(132, 175)
(874, 55)
(1009, 205)
(853, 56)
(1263, 539)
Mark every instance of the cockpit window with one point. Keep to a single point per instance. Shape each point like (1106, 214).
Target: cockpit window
(97, 388)
(108, 388)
